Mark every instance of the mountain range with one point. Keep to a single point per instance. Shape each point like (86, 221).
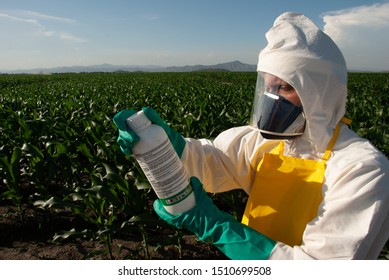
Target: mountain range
(233, 66)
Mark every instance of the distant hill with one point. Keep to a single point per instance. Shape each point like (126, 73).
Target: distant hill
(234, 66)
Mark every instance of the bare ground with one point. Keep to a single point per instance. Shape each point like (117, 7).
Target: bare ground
(32, 239)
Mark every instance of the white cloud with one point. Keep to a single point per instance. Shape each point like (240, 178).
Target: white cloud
(361, 33)
(49, 17)
(41, 29)
(17, 19)
(71, 38)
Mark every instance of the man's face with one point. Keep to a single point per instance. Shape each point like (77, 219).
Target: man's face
(274, 84)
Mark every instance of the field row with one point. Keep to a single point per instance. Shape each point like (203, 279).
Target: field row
(58, 150)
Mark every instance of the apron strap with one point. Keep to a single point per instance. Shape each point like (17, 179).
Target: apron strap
(346, 120)
(328, 151)
(280, 148)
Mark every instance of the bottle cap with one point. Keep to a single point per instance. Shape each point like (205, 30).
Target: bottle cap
(138, 121)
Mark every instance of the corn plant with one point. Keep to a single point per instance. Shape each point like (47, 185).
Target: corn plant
(58, 147)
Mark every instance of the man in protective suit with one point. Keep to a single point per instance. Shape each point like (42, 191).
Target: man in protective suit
(316, 189)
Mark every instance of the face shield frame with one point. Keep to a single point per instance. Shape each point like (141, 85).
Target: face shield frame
(274, 115)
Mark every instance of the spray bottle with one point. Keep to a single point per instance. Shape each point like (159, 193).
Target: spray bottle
(161, 165)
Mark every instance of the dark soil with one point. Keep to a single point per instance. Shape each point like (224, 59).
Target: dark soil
(32, 239)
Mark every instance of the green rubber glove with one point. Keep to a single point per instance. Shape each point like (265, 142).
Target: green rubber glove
(127, 138)
(236, 240)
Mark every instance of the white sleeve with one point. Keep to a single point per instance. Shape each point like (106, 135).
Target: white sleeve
(225, 163)
(353, 218)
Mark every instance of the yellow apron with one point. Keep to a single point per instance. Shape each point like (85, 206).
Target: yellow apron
(286, 194)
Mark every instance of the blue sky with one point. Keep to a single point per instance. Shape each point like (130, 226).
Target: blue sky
(49, 33)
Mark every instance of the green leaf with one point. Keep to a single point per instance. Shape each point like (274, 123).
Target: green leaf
(26, 131)
(85, 151)
(55, 149)
(73, 233)
(16, 156)
(53, 202)
(32, 150)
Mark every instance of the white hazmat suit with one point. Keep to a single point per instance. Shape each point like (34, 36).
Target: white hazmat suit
(352, 220)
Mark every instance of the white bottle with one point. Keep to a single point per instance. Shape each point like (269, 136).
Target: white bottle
(161, 165)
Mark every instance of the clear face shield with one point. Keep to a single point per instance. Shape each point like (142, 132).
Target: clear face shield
(277, 111)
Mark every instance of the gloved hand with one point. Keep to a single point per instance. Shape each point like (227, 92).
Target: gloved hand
(236, 240)
(127, 138)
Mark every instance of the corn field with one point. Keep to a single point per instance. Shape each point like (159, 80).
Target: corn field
(58, 150)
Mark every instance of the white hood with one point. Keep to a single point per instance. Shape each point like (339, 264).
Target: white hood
(305, 57)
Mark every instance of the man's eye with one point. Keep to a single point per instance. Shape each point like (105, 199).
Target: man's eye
(279, 88)
(286, 88)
